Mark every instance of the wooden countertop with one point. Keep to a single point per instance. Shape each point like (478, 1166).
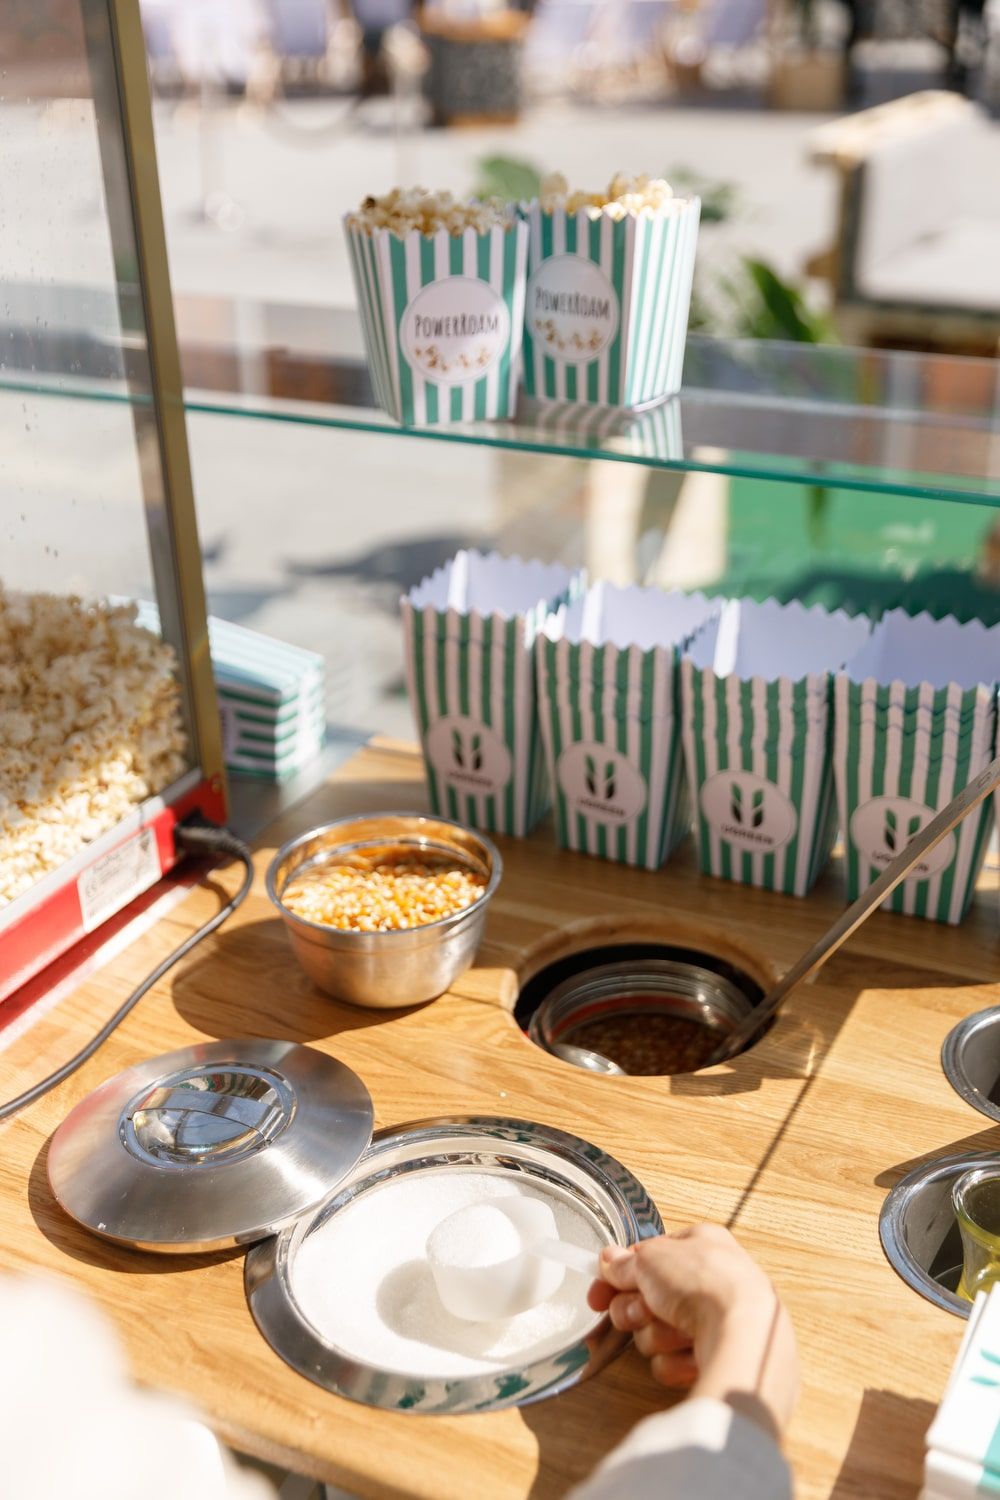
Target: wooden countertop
(794, 1145)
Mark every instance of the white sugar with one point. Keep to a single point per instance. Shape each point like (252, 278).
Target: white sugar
(363, 1280)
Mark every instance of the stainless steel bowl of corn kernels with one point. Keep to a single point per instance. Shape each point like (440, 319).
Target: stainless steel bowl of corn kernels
(384, 969)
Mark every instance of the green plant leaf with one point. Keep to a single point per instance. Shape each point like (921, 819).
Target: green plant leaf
(506, 177)
(719, 200)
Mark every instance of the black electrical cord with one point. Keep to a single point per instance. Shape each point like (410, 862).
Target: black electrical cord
(193, 838)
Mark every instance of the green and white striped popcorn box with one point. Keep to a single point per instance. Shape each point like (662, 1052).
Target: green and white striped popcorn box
(607, 665)
(756, 693)
(916, 720)
(607, 303)
(469, 632)
(443, 320)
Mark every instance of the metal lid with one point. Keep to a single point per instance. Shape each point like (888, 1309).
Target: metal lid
(211, 1146)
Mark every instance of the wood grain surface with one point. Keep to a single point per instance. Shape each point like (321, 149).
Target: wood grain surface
(794, 1145)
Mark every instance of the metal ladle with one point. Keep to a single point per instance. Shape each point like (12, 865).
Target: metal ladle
(859, 911)
(583, 1057)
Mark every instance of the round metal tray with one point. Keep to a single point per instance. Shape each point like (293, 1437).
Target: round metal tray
(919, 1232)
(970, 1058)
(599, 1186)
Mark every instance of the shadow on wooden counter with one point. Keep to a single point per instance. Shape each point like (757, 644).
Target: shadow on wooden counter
(887, 1423)
(249, 984)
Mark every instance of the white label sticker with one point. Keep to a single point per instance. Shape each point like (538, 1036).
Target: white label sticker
(572, 308)
(468, 755)
(885, 825)
(601, 784)
(455, 330)
(748, 812)
(117, 878)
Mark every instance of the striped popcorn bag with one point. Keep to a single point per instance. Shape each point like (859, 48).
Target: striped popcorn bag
(469, 632)
(607, 696)
(607, 302)
(916, 720)
(756, 690)
(442, 316)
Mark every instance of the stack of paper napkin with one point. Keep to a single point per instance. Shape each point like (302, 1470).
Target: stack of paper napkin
(272, 698)
(963, 1444)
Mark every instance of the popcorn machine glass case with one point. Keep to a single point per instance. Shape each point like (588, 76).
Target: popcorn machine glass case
(109, 728)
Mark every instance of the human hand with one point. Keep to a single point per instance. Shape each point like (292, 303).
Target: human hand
(707, 1317)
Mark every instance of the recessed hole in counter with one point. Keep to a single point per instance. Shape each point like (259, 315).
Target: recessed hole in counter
(649, 1009)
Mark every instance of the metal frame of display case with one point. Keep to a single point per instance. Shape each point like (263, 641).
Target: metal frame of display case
(96, 884)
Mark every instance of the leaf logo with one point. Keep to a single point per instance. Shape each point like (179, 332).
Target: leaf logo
(604, 790)
(457, 748)
(756, 810)
(895, 838)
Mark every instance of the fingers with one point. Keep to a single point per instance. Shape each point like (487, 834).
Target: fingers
(659, 1338)
(600, 1296)
(674, 1370)
(628, 1311)
(618, 1268)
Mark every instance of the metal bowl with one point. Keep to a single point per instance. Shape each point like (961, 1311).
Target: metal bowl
(383, 970)
(643, 987)
(919, 1231)
(970, 1058)
(595, 1184)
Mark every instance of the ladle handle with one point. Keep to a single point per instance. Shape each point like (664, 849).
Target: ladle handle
(896, 870)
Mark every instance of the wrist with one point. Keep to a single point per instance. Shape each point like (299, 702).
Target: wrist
(751, 1362)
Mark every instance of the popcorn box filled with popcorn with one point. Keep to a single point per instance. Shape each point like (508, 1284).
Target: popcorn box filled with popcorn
(607, 688)
(469, 631)
(756, 694)
(916, 720)
(440, 289)
(609, 289)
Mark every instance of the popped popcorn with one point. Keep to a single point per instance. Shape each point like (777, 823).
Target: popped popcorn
(625, 195)
(404, 209)
(90, 725)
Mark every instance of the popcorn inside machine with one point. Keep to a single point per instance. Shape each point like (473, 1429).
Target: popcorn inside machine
(109, 732)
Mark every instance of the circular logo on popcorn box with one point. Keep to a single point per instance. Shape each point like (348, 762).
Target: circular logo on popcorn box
(455, 330)
(601, 784)
(748, 812)
(468, 755)
(572, 308)
(880, 828)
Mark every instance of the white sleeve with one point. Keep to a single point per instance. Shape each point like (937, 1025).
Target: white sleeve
(699, 1448)
(73, 1423)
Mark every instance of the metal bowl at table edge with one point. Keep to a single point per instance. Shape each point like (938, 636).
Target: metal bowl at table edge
(651, 986)
(596, 1184)
(384, 970)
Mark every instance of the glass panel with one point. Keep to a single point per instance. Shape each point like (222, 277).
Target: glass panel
(860, 418)
(83, 499)
(364, 528)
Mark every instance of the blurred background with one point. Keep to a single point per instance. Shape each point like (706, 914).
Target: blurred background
(848, 158)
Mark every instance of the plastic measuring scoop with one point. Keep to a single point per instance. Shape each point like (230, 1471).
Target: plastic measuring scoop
(496, 1259)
